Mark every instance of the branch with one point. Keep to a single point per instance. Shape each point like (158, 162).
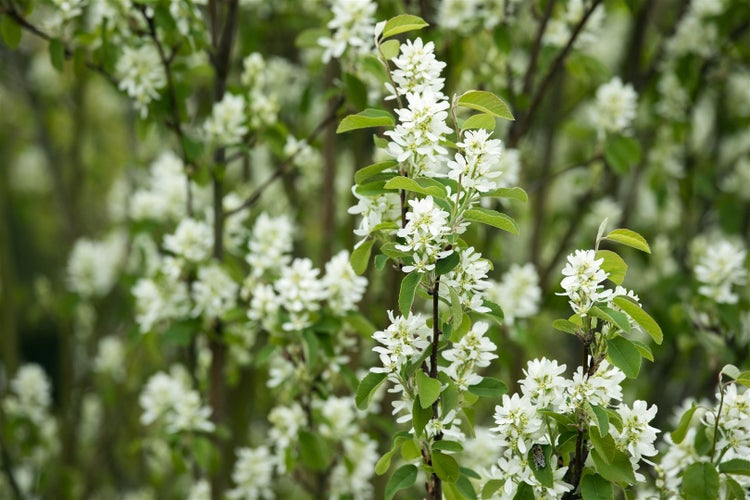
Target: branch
(286, 165)
(68, 53)
(522, 125)
(528, 77)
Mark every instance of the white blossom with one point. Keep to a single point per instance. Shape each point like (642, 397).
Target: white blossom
(93, 265)
(352, 26)
(141, 75)
(719, 268)
(252, 474)
(110, 357)
(615, 107)
(270, 244)
(167, 399)
(583, 281)
(343, 288)
(300, 292)
(518, 293)
(192, 240)
(227, 123)
(214, 292)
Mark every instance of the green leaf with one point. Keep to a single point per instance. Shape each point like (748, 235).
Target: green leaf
(615, 318)
(629, 238)
(735, 466)
(743, 378)
(410, 450)
(614, 265)
(363, 174)
(408, 184)
(402, 24)
(496, 312)
(408, 290)
(491, 487)
(192, 148)
(315, 452)
(730, 371)
(390, 49)
(492, 218)
(356, 91)
(382, 466)
(604, 445)
(457, 312)
(524, 492)
(486, 102)
(366, 119)
(482, 120)
(57, 54)
(308, 38)
(360, 324)
(367, 387)
(565, 326)
(445, 467)
(420, 416)
(446, 445)
(489, 388)
(360, 257)
(700, 481)
(595, 487)
(602, 419)
(624, 355)
(465, 488)
(447, 264)
(542, 474)
(10, 32)
(514, 193)
(641, 317)
(402, 478)
(644, 350)
(389, 249)
(734, 490)
(622, 152)
(619, 470)
(428, 389)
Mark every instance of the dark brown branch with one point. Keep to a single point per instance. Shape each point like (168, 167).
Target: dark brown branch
(435, 487)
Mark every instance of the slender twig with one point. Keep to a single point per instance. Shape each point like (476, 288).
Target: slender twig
(529, 76)
(717, 418)
(287, 164)
(521, 126)
(436, 487)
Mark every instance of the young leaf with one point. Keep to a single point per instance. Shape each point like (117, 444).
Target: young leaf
(496, 312)
(524, 492)
(492, 218)
(447, 264)
(56, 54)
(565, 326)
(365, 173)
(402, 478)
(366, 119)
(604, 445)
(408, 290)
(614, 265)
(489, 388)
(514, 193)
(700, 481)
(734, 490)
(420, 416)
(735, 466)
(445, 467)
(629, 238)
(410, 450)
(10, 32)
(491, 486)
(390, 48)
(618, 470)
(622, 153)
(408, 184)
(482, 120)
(615, 318)
(624, 355)
(447, 446)
(315, 452)
(743, 378)
(486, 102)
(360, 257)
(602, 419)
(367, 387)
(595, 487)
(402, 24)
(641, 317)
(428, 389)
(465, 488)
(644, 350)
(384, 463)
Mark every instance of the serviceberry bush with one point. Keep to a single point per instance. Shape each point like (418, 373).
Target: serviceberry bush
(356, 249)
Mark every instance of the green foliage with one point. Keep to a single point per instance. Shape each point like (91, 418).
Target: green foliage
(365, 119)
(486, 102)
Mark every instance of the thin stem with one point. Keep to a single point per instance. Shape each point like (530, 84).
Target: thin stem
(716, 423)
(528, 77)
(435, 487)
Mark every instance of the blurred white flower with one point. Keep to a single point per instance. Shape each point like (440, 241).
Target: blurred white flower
(352, 26)
(615, 107)
(192, 240)
(141, 75)
(110, 358)
(343, 288)
(252, 474)
(227, 123)
(719, 268)
(270, 244)
(93, 266)
(168, 400)
(214, 292)
(518, 293)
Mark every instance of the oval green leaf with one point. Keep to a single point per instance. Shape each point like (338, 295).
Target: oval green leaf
(629, 238)
(402, 24)
(641, 317)
(492, 218)
(366, 119)
(402, 478)
(486, 102)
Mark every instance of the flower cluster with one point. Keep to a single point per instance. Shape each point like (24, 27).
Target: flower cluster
(518, 293)
(477, 168)
(720, 267)
(93, 266)
(583, 281)
(227, 124)
(352, 26)
(142, 75)
(402, 342)
(417, 69)
(469, 280)
(169, 401)
(474, 350)
(615, 107)
(425, 234)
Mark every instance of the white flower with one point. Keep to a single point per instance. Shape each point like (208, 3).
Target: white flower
(343, 287)
(518, 293)
(299, 292)
(141, 75)
(226, 125)
(417, 69)
(200, 490)
(425, 234)
(478, 167)
(339, 417)
(543, 383)
(32, 393)
(167, 399)
(598, 389)
(214, 292)
(253, 67)
(518, 426)
(468, 279)
(252, 474)
(637, 437)
(721, 266)
(474, 350)
(405, 339)
(264, 306)
(158, 301)
(353, 25)
(110, 357)
(615, 107)
(93, 265)
(351, 477)
(270, 244)
(447, 426)
(374, 210)
(582, 281)
(192, 240)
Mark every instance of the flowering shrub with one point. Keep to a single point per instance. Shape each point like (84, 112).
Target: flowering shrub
(343, 249)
